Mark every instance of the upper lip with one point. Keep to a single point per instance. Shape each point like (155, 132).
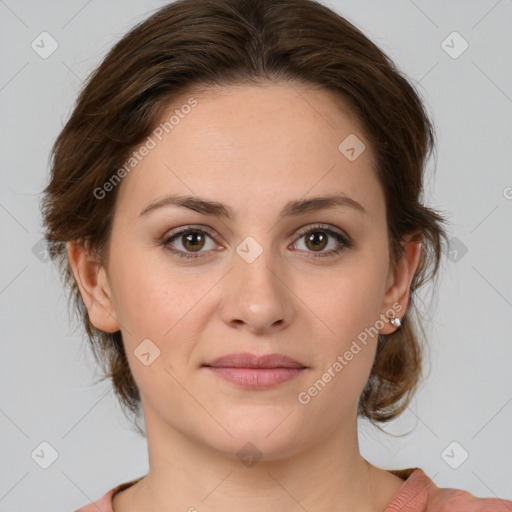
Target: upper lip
(247, 360)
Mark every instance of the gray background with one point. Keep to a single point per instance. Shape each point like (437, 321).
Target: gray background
(46, 370)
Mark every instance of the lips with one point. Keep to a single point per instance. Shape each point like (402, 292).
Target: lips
(255, 372)
(247, 360)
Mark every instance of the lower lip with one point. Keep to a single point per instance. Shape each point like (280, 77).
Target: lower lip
(256, 378)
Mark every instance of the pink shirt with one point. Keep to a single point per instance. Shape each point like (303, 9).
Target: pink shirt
(417, 494)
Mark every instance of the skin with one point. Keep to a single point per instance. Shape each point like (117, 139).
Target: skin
(252, 148)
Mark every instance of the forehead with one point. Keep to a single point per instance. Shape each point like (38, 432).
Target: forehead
(246, 145)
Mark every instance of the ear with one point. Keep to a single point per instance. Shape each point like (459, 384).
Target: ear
(399, 282)
(93, 284)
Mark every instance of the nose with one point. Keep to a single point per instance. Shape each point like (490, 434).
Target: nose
(257, 296)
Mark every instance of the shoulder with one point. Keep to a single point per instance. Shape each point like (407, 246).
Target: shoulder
(420, 494)
(458, 500)
(105, 502)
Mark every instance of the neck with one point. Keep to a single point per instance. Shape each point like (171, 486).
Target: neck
(188, 475)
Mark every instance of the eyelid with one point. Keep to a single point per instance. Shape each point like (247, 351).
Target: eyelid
(191, 227)
(319, 225)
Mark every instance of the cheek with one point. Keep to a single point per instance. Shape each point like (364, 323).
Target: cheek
(348, 301)
(167, 306)
(157, 317)
(346, 349)
(150, 296)
(144, 307)
(347, 307)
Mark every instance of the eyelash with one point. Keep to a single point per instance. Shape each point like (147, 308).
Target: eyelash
(341, 239)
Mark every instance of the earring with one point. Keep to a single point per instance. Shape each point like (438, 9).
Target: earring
(396, 321)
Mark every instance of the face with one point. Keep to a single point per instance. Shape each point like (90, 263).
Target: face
(279, 274)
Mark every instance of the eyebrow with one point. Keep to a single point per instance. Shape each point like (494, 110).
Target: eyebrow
(291, 209)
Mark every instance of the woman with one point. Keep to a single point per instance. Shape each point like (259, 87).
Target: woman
(236, 206)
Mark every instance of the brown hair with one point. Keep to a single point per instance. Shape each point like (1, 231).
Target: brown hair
(234, 42)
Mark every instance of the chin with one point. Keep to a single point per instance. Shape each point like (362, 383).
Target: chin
(258, 438)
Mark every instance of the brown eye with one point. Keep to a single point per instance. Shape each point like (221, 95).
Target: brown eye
(318, 238)
(189, 242)
(193, 241)
(316, 241)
